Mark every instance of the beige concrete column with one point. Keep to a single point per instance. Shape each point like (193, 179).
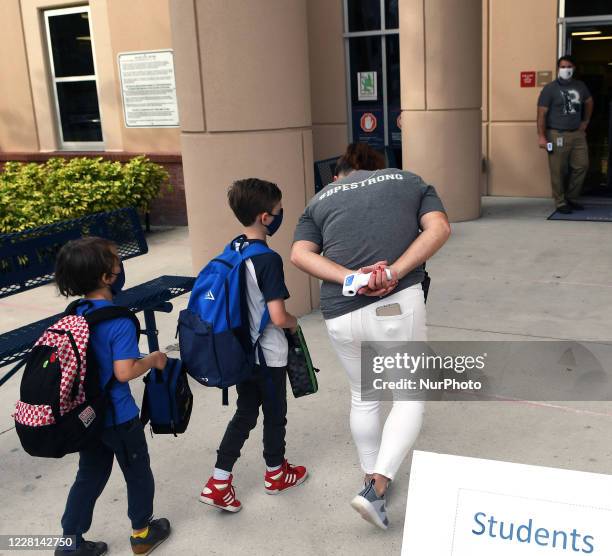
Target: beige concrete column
(17, 121)
(441, 75)
(244, 102)
(327, 77)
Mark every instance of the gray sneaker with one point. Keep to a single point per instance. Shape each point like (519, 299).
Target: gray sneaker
(371, 506)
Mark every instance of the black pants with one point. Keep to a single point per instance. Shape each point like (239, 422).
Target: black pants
(267, 388)
(128, 444)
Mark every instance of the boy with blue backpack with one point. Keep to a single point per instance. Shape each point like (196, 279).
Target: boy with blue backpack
(91, 268)
(257, 205)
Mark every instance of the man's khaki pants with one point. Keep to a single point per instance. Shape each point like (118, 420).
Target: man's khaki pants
(573, 158)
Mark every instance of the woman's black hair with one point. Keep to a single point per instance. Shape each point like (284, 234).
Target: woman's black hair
(81, 264)
(359, 156)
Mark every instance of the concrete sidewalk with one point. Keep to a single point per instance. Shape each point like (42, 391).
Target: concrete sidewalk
(509, 275)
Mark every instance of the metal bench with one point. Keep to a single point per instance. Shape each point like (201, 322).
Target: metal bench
(27, 261)
(324, 171)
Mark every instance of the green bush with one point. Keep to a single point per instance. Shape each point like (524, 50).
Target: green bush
(34, 194)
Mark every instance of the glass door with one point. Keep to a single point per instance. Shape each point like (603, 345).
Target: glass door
(590, 44)
(371, 35)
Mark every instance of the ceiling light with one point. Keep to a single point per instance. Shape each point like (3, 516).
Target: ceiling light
(581, 33)
(83, 38)
(606, 38)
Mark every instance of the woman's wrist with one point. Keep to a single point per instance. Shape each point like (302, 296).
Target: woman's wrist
(397, 272)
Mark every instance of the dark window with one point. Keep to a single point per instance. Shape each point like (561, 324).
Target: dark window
(73, 76)
(392, 14)
(79, 112)
(581, 8)
(71, 45)
(393, 71)
(365, 55)
(363, 15)
(394, 111)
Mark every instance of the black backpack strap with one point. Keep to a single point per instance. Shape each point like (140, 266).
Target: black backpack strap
(110, 313)
(425, 285)
(145, 414)
(71, 309)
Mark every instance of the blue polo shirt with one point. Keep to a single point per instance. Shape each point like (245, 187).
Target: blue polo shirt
(112, 341)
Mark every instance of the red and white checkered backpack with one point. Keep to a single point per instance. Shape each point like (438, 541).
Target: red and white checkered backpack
(62, 404)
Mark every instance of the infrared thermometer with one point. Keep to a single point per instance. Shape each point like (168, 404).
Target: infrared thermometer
(354, 282)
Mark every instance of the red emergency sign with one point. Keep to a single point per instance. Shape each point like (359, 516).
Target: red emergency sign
(528, 79)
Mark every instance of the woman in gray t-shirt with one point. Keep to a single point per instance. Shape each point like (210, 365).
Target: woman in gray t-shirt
(372, 219)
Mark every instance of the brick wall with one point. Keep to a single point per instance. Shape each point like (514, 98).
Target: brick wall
(171, 208)
(167, 210)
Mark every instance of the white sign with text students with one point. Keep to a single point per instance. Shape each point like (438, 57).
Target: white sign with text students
(460, 506)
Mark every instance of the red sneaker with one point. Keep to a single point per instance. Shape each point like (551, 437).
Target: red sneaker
(286, 477)
(221, 494)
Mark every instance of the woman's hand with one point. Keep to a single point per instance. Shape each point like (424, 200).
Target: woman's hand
(379, 284)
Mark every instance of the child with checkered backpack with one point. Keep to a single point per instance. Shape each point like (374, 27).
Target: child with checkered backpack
(91, 268)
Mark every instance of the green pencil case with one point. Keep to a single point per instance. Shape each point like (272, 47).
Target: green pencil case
(302, 373)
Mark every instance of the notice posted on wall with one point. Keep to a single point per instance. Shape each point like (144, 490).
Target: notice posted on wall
(148, 88)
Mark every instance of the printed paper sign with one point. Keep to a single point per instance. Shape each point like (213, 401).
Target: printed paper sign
(460, 506)
(544, 78)
(367, 85)
(368, 122)
(395, 127)
(369, 127)
(148, 89)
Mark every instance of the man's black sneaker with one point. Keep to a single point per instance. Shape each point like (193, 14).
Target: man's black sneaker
(86, 548)
(564, 209)
(159, 531)
(574, 205)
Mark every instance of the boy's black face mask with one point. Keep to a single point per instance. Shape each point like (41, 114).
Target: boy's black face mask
(119, 282)
(276, 223)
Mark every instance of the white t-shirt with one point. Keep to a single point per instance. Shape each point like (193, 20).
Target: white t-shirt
(265, 281)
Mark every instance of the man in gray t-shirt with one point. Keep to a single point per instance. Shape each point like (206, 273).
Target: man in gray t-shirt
(363, 218)
(565, 107)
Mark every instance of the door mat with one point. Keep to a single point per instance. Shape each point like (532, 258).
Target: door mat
(591, 213)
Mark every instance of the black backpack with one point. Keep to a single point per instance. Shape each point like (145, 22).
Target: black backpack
(61, 405)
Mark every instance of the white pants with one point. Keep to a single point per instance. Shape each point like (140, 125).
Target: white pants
(380, 451)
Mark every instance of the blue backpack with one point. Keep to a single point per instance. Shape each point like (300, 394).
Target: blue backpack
(167, 401)
(214, 329)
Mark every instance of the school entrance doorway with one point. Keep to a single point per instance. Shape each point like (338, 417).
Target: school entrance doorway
(371, 38)
(588, 39)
